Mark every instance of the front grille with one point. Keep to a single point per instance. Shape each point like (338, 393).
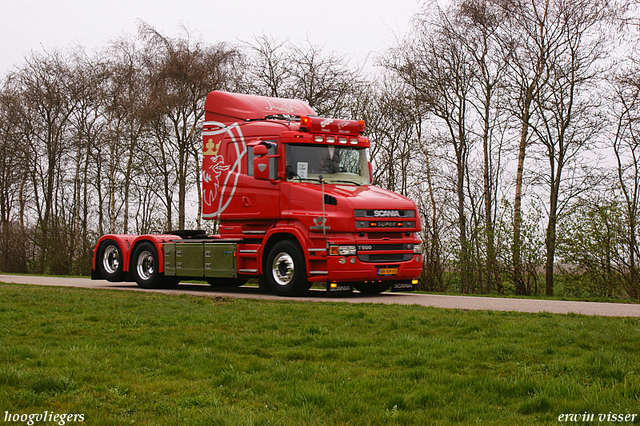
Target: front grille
(382, 213)
(384, 219)
(387, 257)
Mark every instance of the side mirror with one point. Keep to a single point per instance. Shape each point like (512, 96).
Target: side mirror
(261, 165)
(260, 150)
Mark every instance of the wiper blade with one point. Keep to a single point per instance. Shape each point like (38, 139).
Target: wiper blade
(344, 181)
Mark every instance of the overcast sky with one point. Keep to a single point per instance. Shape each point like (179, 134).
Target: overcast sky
(352, 27)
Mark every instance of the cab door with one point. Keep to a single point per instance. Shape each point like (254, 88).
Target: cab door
(261, 198)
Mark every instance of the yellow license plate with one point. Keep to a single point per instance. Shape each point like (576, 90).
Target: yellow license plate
(387, 271)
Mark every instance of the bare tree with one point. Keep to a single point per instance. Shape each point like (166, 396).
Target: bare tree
(439, 68)
(186, 70)
(325, 82)
(268, 67)
(46, 107)
(13, 165)
(391, 123)
(87, 126)
(626, 146)
(533, 32)
(480, 31)
(125, 104)
(568, 109)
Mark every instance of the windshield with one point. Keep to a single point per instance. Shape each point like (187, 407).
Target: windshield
(336, 164)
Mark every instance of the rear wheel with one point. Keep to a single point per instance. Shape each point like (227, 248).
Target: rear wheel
(144, 267)
(372, 288)
(109, 261)
(285, 269)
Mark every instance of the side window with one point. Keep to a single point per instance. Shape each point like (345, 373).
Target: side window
(272, 147)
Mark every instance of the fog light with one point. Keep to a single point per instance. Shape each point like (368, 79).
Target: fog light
(414, 282)
(353, 260)
(342, 261)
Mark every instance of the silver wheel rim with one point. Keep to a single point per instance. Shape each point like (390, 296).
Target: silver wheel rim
(111, 259)
(283, 269)
(145, 267)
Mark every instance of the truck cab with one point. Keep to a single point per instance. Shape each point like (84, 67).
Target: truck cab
(303, 182)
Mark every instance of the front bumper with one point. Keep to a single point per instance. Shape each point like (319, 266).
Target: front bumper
(352, 269)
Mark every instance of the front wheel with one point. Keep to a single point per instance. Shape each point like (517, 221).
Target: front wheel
(285, 269)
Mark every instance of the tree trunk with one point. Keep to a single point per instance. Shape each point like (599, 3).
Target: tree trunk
(554, 191)
(551, 244)
(493, 275)
(465, 273)
(517, 207)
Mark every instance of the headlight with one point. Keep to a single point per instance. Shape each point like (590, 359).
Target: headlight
(417, 248)
(342, 250)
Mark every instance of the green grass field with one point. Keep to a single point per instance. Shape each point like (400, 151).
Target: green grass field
(123, 358)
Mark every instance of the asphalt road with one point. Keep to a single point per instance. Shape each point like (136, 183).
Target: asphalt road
(437, 301)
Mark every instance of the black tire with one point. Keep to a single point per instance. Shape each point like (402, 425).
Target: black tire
(372, 288)
(144, 266)
(285, 269)
(109, 261)
(227, 282)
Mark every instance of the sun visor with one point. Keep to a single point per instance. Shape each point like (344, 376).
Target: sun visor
(228, 107)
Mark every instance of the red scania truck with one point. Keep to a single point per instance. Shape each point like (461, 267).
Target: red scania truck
(292, 194)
